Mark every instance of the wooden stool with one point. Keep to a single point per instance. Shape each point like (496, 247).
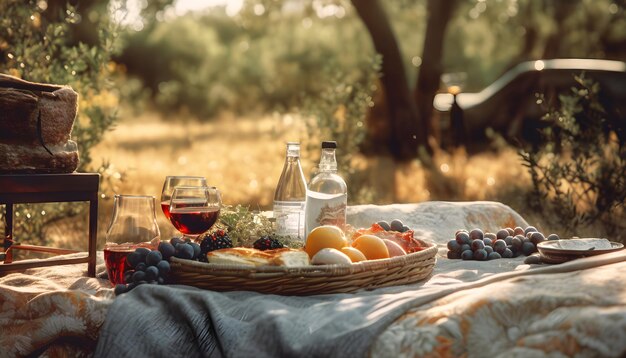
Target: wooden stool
(48, 188)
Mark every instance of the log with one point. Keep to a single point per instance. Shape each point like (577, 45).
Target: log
(36, 122)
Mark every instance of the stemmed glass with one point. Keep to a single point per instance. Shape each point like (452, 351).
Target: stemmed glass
(193, 210)
(172, 182)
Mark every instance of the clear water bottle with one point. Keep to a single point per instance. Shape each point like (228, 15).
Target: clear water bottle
(290, 196)
(327, 195)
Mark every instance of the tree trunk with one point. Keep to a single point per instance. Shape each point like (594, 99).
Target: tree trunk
(407, 130)
(439, 13)
(531, 34)
(561, 12)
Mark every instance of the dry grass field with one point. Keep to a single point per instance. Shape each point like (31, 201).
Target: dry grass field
(243, 157)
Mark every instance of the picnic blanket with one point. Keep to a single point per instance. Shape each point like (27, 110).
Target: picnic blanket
(576, 309)
(54, 311)
(524, 312)
(500, 307)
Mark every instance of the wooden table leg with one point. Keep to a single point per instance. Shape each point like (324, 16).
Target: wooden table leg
(93, 231)
(8, 233)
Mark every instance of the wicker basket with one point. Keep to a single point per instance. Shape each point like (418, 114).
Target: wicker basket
(306, 280)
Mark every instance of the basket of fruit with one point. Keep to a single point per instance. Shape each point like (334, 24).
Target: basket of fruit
(329, 263)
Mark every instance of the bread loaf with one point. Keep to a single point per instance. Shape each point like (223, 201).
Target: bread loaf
(290, 258)
(253, 257)
(238, 256)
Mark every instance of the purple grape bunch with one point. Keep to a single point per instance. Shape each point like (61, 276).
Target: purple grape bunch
(505, 243)
(152, 266)
(145, 267)
(394, 225)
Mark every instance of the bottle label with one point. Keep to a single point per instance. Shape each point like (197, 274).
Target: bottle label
(289, 217)
(325, 209)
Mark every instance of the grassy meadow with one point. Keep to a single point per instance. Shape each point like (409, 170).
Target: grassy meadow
(243, 157)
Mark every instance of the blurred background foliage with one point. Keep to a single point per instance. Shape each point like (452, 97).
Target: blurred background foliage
(242, 63)
(259, 56)
(272, 54)
(312, 58)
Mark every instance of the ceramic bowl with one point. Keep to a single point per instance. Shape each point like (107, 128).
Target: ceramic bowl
(558, 251)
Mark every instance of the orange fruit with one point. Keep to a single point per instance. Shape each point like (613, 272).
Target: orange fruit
(354, 254)
(326, 236)
(371, 246)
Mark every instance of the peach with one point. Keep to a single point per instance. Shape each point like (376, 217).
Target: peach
(371, 246)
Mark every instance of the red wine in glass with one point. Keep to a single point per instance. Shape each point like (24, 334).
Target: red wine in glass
(116, 264)
(165, 206)
(193, 210)
(172, 182)
(115, 259)
(191, 221)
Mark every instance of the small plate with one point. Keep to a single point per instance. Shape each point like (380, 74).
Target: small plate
(558, 251)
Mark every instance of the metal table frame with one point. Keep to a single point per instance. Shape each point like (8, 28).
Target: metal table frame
(48, 188)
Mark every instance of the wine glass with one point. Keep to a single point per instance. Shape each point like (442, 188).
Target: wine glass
(173, 181)
(193, 210)
(133, 225)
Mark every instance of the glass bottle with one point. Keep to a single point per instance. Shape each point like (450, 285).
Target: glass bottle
(133, 225)
(290, 196)
(327, 194)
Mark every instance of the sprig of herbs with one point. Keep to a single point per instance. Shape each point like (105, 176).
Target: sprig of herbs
(243, 225)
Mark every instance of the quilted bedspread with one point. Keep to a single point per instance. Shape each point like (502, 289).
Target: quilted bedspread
(579, 313)
(54, 311)
(494, 308)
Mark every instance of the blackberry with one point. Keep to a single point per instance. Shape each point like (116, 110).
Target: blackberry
(267, 243)
(215, 241)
